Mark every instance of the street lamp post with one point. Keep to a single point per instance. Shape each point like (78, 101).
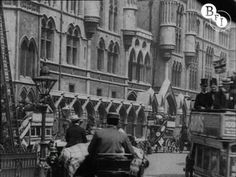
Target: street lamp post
(44, 83)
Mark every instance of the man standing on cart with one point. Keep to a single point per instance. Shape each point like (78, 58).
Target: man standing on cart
(203, 99)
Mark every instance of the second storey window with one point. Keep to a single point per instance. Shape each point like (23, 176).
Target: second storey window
(178, 32)
(73, 45)
(100, 55)
(47, 36)
(27, 58)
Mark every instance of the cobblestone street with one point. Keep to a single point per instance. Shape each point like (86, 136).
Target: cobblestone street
(166, 165)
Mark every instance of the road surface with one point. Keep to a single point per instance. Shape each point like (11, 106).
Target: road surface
(166, 165)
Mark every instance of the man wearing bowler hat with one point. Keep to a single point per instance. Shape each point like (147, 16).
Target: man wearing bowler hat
(110, 140)
(203, 100)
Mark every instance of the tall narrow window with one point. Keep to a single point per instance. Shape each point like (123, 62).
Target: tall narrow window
(209, 62)
(178, 32)
(139, 73)
(100, 55)
(101, 13)
(193, 75)
(30, 60)
(110, 57)
(147, 69)
(27, 58)
(73, 45)
(110, 24)
(132, 66)
(69, 47)
(47, 36)
(23, 55)
(115, 59)
(115, 16)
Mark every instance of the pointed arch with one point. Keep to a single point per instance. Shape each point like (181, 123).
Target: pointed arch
(147, 65)
(132, 96)
(139, 129)
(100, 54)
(48, 27)
(31, 95)
(77, 31)
(23, 94)
(132, 65)
(136, 43)
(51, 23)
(131, 119)
(102, 114)
(23, 55)
(140, 67)
(123, 115)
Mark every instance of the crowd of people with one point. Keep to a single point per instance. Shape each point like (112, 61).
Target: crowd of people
(216, 97)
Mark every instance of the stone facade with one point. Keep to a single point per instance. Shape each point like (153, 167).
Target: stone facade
(107, 55)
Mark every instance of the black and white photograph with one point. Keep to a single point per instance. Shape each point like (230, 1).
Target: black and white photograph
(118, 88)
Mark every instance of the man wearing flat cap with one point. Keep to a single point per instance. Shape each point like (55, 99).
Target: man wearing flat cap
(110, 140)
(203, 100)
(75, 134)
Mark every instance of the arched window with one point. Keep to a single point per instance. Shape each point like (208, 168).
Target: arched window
(73, 45)
(140, 124)
(30, 60)
(140, 68)
(209, 62)
(23, 55)
(110, 24)
(113, 14)
(176, 74)
(27, 58)
(47, 36)
(101, 21)
(178, 32)
(23, 95)
(110, 57)
(100, 55)
(130, 121)
(198, 27)
(193, 75)
(147, 68)
(31, 96)
(132, 66)
(115, 59)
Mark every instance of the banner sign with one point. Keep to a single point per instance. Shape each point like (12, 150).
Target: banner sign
(220, 66)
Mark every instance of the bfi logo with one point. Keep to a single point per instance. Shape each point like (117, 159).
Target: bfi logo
(210, 12)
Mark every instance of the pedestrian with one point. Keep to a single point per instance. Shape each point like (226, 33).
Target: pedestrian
(217, 96)
(75, 134)
(203, 99)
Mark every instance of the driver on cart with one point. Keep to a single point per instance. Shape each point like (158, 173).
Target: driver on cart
(108, 141)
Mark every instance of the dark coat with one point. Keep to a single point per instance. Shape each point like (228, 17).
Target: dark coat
(203, 100)
(218, 100)
(110, 140)
(74, 135)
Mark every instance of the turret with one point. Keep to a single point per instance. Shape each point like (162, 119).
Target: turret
(167, 27)
(91, 16)
(130, 25)
(190, 35)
